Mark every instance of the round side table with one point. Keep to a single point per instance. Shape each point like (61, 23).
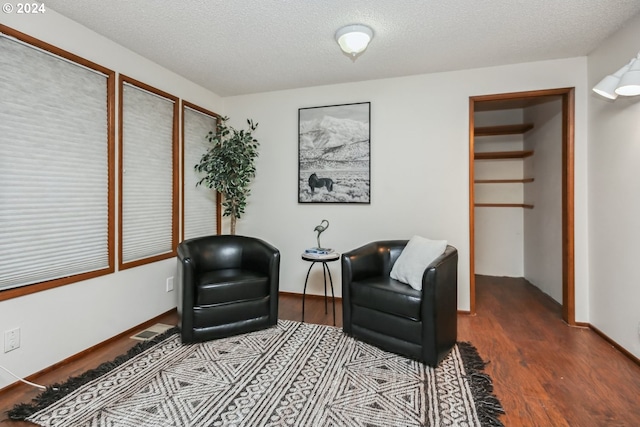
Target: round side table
(324, 259)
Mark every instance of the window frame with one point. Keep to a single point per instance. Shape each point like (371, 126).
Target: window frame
(185, 105)
(175, 176)
(110, 99)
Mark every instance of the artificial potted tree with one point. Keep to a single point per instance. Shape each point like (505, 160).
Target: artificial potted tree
(229, 166)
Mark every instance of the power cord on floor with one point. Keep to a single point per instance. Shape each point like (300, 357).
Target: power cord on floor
(23, 380)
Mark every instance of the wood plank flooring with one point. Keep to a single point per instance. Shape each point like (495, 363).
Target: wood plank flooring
(545, 373)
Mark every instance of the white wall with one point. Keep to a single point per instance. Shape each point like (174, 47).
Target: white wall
(61, 322)
(543, 223)
(499, 241)
(614, 196)
(419, 164)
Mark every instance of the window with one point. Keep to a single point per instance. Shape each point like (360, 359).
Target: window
(201, 205)
(148, 174)
(56, 166)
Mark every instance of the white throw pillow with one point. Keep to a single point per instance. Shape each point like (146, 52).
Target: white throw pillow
(414, 260)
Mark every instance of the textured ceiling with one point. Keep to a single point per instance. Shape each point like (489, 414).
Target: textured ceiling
(237, 47)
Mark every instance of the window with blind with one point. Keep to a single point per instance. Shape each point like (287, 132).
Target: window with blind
(56, 166)
(201, 205)
(148, 174)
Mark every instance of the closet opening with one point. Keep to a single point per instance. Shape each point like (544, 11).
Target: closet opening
(521, 191)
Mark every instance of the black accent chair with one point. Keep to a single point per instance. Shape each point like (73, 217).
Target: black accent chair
(227, 285)
(392, 315)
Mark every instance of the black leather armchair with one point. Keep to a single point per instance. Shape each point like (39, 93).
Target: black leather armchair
(392, 315)
(227, 285)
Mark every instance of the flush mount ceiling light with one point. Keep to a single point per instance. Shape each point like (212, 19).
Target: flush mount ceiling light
(354, 39)
(625, 81)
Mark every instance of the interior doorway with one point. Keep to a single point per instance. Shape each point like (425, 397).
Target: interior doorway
(523, 100)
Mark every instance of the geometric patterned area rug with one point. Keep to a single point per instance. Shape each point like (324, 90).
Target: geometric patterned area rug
(293, 374)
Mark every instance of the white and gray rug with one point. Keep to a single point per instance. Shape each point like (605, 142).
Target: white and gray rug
(293, 374)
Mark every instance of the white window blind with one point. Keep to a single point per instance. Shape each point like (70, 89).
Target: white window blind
(200, 207)
(54, 167)
(147, 175)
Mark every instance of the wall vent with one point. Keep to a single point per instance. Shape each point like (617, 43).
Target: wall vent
(151, 332)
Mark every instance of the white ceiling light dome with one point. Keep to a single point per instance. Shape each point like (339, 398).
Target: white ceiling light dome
(354, 39)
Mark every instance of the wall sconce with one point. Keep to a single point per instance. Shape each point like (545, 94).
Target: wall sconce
(625, 81)
(354, 39)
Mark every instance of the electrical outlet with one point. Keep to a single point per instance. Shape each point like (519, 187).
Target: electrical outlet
(169, 284)
(11, 339)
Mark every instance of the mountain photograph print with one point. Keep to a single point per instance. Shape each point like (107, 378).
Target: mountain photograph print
(333, 154)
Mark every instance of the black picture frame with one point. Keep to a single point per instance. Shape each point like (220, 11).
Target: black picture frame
(334, 154)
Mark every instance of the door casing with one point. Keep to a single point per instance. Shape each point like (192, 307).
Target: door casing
(568, 250)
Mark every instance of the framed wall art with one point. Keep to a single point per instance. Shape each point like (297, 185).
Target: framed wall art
(334, 154)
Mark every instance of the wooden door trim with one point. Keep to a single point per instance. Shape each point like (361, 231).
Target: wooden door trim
(568, 224)
(472, 232)
(568, 160)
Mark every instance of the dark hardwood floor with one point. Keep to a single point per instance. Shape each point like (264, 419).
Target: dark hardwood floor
(545, 373)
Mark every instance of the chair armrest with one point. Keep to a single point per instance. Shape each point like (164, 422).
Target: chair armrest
(185, 289)
(440, 301)
(187, 268)
(260, 256)
(441, 276)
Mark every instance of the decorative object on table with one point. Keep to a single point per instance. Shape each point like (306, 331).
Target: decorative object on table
(333, 154)
(320, 229)
(229, 166)
(359, 385)
(319, 251)
(392, 315)
(314, 254)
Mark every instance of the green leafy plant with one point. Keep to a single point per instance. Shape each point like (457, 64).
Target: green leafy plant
(229, 166)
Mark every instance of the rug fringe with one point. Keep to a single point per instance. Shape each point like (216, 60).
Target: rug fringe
(488, 406)
(55, 392)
